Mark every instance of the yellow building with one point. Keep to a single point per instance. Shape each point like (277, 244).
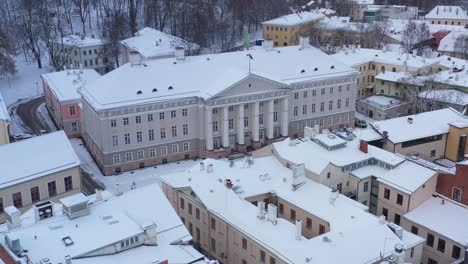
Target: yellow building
(457, 143)
(286, 30)
(4, 122)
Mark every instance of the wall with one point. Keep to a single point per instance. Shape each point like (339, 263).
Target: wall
(4, 134)
(24, 188)
(447, 182)
(453, 143)
(423, 149)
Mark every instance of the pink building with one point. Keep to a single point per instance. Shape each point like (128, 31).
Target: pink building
(62, 98)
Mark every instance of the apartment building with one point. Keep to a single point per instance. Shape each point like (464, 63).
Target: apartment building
(4, 122)
(38, 169)
(442, 223)
(211, 105)
(371, 62)
(62, 98)
(99, 229)
(447, 15)
(385, 12)
(287, 30)
(453, 185)
(388, 183)
(151, 44)
(81, 51)
(381, 107)
(255, 210)
(357, 9)
(430, 135)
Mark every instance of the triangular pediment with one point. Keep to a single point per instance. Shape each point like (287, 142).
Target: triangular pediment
(252, 84)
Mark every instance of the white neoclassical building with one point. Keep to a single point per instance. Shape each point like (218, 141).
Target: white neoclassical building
(150, 112)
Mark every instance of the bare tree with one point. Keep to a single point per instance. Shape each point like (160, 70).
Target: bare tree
(83, 8)
(461, 46)
(116, 28)
(28, 14)
(7, 51)
(413, 34)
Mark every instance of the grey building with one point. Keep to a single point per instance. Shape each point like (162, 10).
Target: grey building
(152, 112)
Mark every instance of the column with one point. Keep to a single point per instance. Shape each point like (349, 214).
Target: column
(256, 122)
(285, 117)
(271, 110)
(225, 127)
(209, 128)
(240, 124)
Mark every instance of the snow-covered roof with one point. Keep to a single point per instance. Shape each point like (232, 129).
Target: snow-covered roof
(446, 95)
(364, 2)
(207, 75)
(401, 77)
(42, 155)
(350, 154)
(4, 115)
(296, 18)
(449, 42)
(423, 125)
(382, 101)
(452, 78)
(396, 27)
(442, 216)
(326, 11)
(153, 43)
(110, 221)
(452, 62)
(339, 23)
(447, 12)
(351, 227)
(65, 84)
(79, 41)
(357, 56)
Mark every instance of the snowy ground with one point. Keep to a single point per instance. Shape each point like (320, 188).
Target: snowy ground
(125, 180)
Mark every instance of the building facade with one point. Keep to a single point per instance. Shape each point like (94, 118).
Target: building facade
(250, 112)
(453, 186)
(4, 122)
(52, 173)
(447, 15)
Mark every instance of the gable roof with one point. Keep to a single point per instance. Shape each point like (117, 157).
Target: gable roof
(65, 84)
(296, 18)
(447, 12)
(450, 42)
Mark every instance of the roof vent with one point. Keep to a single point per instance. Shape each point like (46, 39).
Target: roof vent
(170, 88)
(43, 211)
(332, 67)
(13, 217)
(272, 213)
(302, 71)
(155, 90)
(316, 69)
(75, 205)
(410, 120)
(333, 195)
(209, 168)
(179, 53)
(139, 92)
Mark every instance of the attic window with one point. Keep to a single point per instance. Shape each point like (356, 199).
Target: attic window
(175, 62)
(155, 90)
(170, 88)
(67, 241)
(376, 55)
(316, 69)
(144, 65)
(302, 71)
(278, 51)
(139, 92)
(332, 67)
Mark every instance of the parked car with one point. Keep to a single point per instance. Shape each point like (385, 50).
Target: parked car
(360, 123)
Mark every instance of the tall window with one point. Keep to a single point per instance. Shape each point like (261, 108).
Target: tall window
(244, 243)
(74, 126)
(150, 117)
(215, 126)
(275, 116)
(262, 256)
(231, 123)
(441, 245)
(292, 215)
(68, 182)
(313, 108)
(414, 230)
(72, 110)
(186, 146)
(456, 252)
(330, 105)
(295, 111)
(430, 240)
(128, 156)
(321, 229)
(397, 219)
(175, 148)
(140, 154)
(173, 114)
(347, 102)
(338, 105)
(161, 116)
(152, 152)
(308, 223)
(304, 109)
(139, 135)
(116, 158)
(17, 200)
(138, 119)
(151, 134)
(184, 112)
(164, 150)
(246, 121)
(125, 121)
(52, 187)
(115, 141)
(163, 132)
(127, 138)
(174, 131)
(35, 195)
(213, 223)
(322, 106)
(113, 123)
(185, 129)
(386, 193)
(1, 205)
(366, 186)
(399, 199)
(456, 194)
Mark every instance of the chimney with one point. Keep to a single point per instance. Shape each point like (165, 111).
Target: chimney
(67, 69)
(202, 166)
(81, 67)
(135, 58)
(98, 195)
(382, 219)
(68, 259)
(410, 120)
(13, 217)
(363, 146)
(272, 213)
(179, 53)
(228, 183)
(298, 176)
(209, 168)
(268, 44)
(333, 195)
(298, 229)
(261, 210)
(118, 190)
(150, 235)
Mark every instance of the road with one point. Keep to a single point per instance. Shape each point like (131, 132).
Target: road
(32, 118)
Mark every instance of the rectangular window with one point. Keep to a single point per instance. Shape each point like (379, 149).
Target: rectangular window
(295, 111)
(129, 156)
(246, 121)
(125, 121)
(139, 135)
(173, 114)
(313, 108)
(213, 245)
(456, 252)
(321, 229)
(213, 223)
(127, 138)
(68, 182)
(304, 109)
(163, 132)
(366, 186)
(281, 208)
(185, 129)
(430, 240)
(197, 234)
(113, 123)
(308, 223)
(161, 116)
(174, 131)
(140, 154)
(296, 95)
(386, 193)
(275, 116)
(414, 230)
(151, 134)
(190, 208)
(182, 203)
(184, 112)
(215, 126)
(322, 91)
(175, 148)
(399, 199)
(150, 117)
(305, 94)
(272, 260)
(17, 200)
(152, 152)
(186, 146)
(262, 256)
(52, 187)
(231, 123)
(1, 205)
(347, 102)
(163, 150)
(322, 106)
(116, 158)
(338, 105)
(330, 105)
(397, 219)
(35, 195)
(314, 92)
(197, 213)
(456, 194)
(72, 110)
(292, 215)
(138, 119)
(441, 245)
(385, 212)
(244, 243)
(331, 90)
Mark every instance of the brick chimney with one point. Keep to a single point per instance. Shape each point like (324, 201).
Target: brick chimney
(363, 146)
